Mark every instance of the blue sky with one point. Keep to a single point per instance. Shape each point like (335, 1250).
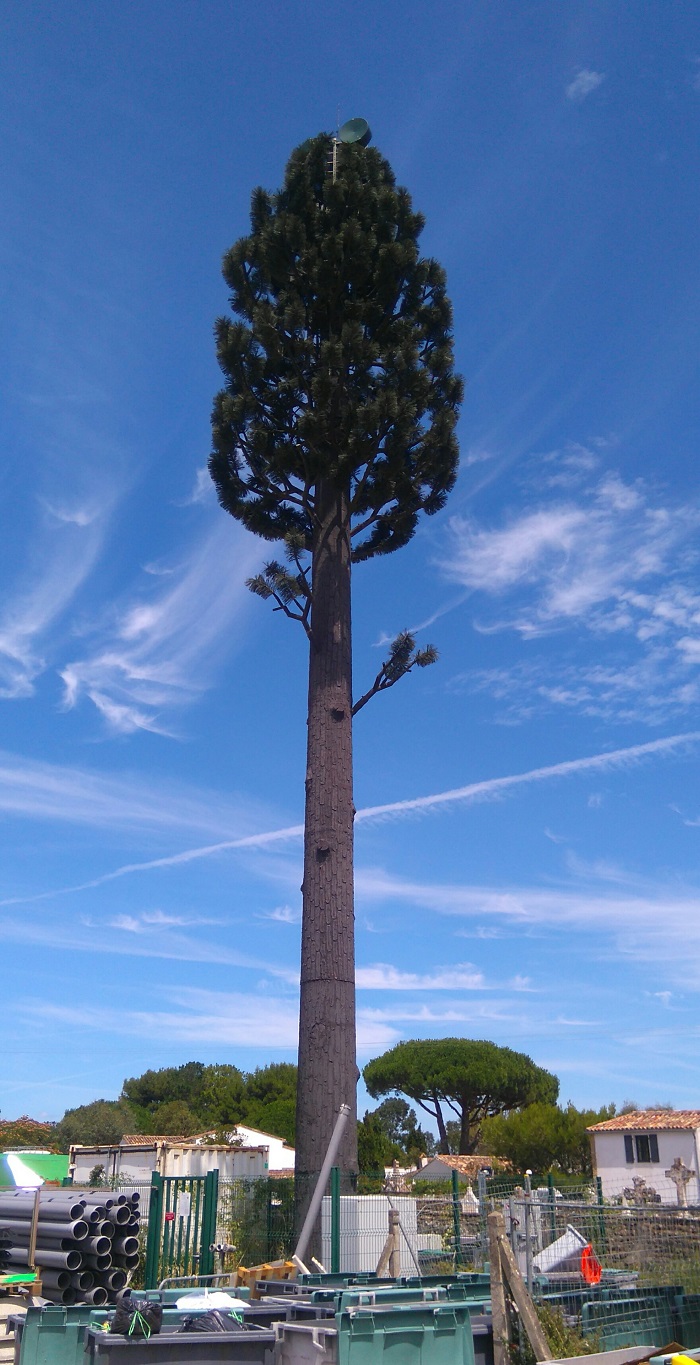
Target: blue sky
(529, 808)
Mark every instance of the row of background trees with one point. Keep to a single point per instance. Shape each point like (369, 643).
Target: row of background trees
(502, 1105)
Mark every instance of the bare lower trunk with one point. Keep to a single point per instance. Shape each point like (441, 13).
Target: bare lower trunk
(443, 1140)
(327, 1065)
(466, 1143)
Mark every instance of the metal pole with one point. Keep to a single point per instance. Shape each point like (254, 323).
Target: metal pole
(552, 1206)
(456, 1221)
(601, 1216)
(528, 1233)
(317, 1196)
(155, 1223)
(484, 1237)
(335, 1220)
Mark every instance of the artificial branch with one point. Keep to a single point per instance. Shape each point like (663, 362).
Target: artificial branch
(403, 656)
(286, 589)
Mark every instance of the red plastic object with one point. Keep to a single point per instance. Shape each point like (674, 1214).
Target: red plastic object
(591, 1269)
(170, 1218)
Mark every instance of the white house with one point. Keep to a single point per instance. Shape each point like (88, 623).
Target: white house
(647, 1145)
(440, 1167)
(280, 1155)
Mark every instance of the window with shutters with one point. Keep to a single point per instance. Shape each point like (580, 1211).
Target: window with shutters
(647, 1146)
(629, 1149)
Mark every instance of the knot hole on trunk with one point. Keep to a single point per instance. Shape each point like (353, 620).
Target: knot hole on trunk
(322, 854)
(337, 713)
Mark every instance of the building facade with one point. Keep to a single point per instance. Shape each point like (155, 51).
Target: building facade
(644, 1147)
(134, 1161)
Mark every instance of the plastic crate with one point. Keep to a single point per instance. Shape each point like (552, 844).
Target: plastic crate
(55, 1335)
(298, 1343)
(628, 1322)
(478, 1278)
(251, 1346)
(482, 1337)
(329, 1281)
(686, 1316)
(287, 1309)
(453, 1293)
(436, 1333)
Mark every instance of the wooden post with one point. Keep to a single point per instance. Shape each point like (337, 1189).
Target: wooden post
(501, 1352)
(518, 1289)
(390, 1259)
(395, 1254)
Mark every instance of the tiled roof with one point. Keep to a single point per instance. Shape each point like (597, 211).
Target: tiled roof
(148, 1139)
(466, 1165)
(152, 1140)
(643, 1119)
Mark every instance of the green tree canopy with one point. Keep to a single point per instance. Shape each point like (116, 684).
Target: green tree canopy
(374, 1150)
(174, 1119)
(544, 1137)
(473, 1079)
(278, 1081)
(400, 1124)
(220, 1101)
(154, 1088)
(104, 1122)
(192, 1098)
(27, 1133)
(270, 1100)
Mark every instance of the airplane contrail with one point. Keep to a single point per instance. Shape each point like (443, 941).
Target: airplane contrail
(612, 758)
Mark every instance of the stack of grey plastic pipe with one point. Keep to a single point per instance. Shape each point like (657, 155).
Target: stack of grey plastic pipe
(86, 1241)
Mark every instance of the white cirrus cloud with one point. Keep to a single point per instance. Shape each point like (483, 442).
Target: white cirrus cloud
(148, 920)
(162, 650)
(583, 84)
(653, 690)
(383, 977)
(32, 789)
(62, 551)
(488, 789)
(198, 1016)
(282, 914)
(612, 562)
(130, 935)
(655, 924)
(202, 489)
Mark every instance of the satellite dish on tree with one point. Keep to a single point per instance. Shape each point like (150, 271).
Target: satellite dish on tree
(356, 130)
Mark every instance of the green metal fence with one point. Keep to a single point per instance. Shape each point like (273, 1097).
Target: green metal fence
(182, 1217)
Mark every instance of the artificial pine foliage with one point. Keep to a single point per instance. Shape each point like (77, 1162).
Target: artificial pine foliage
(339, 365)
(335, 429)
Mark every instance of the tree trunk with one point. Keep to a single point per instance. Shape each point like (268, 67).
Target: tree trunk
(327, 1066)
(468, 1141)
(443, 1140)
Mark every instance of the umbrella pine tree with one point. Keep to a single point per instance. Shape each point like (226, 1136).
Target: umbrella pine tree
(335, 429)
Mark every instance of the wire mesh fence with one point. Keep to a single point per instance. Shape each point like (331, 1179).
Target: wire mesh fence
(642, 1279)
(612, 1274)
(256, 1217)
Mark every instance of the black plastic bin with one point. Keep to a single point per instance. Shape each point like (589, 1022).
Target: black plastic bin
(248, 1346)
